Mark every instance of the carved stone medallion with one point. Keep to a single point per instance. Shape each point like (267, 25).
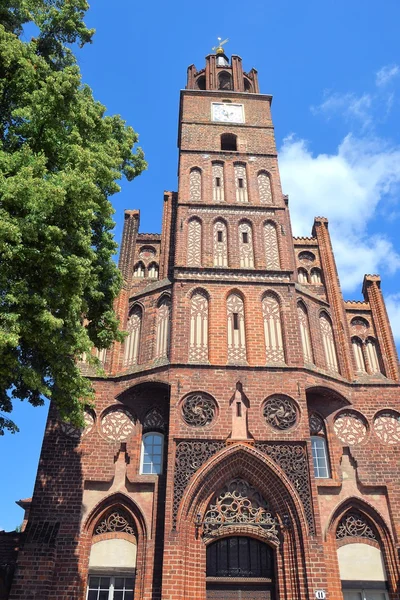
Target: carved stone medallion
(350, 427)
(118, 424)
(198, 409)
(280, 412)
(387, 426)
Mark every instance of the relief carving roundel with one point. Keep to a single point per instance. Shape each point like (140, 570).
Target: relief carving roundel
(280, 412)
(198, 409)
(118, 424)
(387, 426)
(350, 427)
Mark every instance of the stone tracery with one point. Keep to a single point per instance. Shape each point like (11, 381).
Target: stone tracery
(350, 428)
(354, 524)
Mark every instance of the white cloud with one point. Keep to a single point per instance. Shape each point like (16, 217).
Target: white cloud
(393, 308)
(347, 187)
(348, 105)
(385, 74)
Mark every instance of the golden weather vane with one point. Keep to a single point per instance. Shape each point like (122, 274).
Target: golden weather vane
(219, 49)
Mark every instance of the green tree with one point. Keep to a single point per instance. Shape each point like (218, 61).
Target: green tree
(60, 160)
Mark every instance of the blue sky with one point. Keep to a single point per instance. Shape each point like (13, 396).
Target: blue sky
(333, 68)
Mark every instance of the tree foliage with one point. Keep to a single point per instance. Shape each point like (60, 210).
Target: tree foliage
(60, 160)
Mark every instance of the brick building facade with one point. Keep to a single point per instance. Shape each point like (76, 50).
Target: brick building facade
(245, 443)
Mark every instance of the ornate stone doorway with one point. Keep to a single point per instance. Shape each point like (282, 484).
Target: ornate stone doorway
(240, 568)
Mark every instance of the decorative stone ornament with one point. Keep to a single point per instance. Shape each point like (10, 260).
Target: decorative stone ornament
(387, 426)
(316, 424)
(280, 412)
(350, 427)
(354, 524)
(239, 504)
(115, 523)
(118, 424)
(198, 410)
(76, 433)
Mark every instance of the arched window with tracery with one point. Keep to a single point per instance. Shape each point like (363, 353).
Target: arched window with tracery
(361, 561)
(132, 341)
(163, 328)
(328, 343)
(302, 276)
(113, 555)
(198, 347)
(246, 252)
(358, 354)
(241, 183)
(372, 354)
(220, 244)
(316, 278)
(236, 329)
(271, 246)
(218, 181)
(153, 270)
(273, 329)
(194, 243)
(319, 446)
(138, 270)
(195, 185)
(305, 333)
(264, 188)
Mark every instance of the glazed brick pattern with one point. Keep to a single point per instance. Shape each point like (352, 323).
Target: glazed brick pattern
(80, 479)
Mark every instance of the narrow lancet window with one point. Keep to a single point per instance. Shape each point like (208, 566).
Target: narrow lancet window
(328, 343)
(218, 182)
(305, 333)
(195, 185)
(273, 330)
(198, 348)
(163, 328)
(194, 243)
(236, 329)
(271, 246)
(241, 183)
(131, 350)
(358, 354)
(264, 188)
(246, 246)
(220, 245)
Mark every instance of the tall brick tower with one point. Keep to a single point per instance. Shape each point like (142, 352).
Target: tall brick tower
(245, 443)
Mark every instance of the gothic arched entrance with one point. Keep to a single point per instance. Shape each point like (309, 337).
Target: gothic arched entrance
(240, 568)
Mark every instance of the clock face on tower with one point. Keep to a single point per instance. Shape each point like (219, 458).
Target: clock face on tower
(225, 112)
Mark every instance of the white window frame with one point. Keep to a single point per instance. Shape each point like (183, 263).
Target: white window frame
(363, 591)
(317, 474)
(111, 588)
(146, 435)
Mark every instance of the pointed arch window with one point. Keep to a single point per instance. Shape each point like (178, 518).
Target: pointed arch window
(195, 185)
(319, 446)
(218, 181)
(194, 243)
(246, 252)
(163, 328)
(316, 278)
(328, 343)
(101, 354)
(264, 188)
(241, 183)
(236, 329)
(132, 342)
(225, 81)
(139, 270)
(358, 354)
(271, 246)
(302, 276)
(273, 329)
(153, 271)
(198, 348)
(305, 333)
(220, 244)
(372, 354)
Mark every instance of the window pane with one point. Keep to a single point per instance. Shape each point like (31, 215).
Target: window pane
(146, 469)
(119, 583)
(118, 595)
(105, 583)
(128, 595)
(103, 595)
(129, 583)
(157, 440)
(92, 595)
(94, 582)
